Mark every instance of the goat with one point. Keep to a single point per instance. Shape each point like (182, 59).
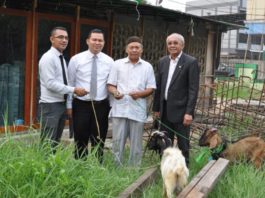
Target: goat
(158, 142)
(174, 172)
(250, 148)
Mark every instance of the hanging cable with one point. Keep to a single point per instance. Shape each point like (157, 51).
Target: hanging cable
(136, 8)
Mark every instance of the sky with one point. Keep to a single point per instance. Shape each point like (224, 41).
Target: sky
(179, 5)
(171, 4)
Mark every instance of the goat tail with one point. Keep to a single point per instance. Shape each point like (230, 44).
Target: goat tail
(182, 174)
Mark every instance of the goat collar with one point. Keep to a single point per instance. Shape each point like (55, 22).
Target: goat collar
(217, 151)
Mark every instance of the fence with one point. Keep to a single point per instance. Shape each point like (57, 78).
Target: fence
(236, 106)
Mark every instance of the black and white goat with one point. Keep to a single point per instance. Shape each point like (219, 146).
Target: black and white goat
(158, 142)
(173, 166)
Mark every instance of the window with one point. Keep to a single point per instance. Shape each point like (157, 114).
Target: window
(256, 39)
(243, 38)
(12, 67)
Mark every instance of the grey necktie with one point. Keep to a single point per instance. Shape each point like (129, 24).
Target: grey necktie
(93, 82)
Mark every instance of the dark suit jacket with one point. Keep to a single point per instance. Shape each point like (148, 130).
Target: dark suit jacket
(183, 88)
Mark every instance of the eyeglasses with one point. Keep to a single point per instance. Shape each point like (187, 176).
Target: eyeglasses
(61, 37)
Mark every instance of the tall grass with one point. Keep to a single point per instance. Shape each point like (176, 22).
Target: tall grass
(240, 180)
(28, 170)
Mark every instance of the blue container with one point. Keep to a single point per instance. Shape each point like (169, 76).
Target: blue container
(19, 122)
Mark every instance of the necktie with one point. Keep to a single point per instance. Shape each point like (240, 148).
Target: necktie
(64, 75)
(93, 82)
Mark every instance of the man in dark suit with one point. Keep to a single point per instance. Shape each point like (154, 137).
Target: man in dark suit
(177, 91)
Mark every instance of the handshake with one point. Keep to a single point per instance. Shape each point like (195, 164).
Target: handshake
(80, 91)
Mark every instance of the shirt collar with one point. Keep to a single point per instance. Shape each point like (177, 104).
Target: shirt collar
(177, 58)
(90, 54)
(55, 51)
(127, 60)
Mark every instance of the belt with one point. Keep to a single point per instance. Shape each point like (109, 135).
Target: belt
(52, 102)
(90, 101)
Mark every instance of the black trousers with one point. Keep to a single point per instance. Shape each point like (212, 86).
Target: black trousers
(85, 126)
(179, 130)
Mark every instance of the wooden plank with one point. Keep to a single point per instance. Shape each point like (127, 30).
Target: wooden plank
(134, 190)
(195, 194)
(210, 179)
(196, 179)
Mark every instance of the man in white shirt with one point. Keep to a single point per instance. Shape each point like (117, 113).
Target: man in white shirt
(90, 112)
(131, 80)
(54, 88)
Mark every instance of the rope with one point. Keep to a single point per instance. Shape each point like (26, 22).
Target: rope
(138, 13)
(172, 130)
(160, 122)
(96, 118)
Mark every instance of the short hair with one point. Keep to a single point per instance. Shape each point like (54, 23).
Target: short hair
(57, 28)
(134, 39)
(179, 36)
(99, 31)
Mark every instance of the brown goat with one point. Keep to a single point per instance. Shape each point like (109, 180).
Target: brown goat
(251, 148)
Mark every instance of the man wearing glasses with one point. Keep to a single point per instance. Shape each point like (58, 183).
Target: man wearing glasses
(54, 88)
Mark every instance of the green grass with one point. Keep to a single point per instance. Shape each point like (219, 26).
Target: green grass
(27, 170)
(239, 181)
(237, 90)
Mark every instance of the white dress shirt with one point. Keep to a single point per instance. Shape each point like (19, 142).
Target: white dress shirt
(79, 74)
(172, 67)
(130, 77)
(52, 87)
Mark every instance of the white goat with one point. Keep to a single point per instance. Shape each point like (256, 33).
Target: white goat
(174, 172)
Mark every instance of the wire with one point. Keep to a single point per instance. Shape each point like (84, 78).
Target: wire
(96, 118)
(136, 8)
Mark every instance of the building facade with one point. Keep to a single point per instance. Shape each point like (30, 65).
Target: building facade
(230, 11)
(251, 40)
(25, 29)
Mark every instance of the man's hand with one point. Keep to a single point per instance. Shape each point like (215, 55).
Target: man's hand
(141, 94)
(135, 95)
(80, 91)
(156, 115)
(187, 120)
(117, 95)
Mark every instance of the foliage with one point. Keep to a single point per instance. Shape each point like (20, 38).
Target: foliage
(237, 89)
(30, 170)
(240, 180)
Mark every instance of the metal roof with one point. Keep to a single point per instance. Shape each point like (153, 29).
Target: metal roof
(102, 9)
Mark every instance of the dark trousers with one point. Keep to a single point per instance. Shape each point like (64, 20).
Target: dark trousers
(52, 118)
(179, 130)
(85, 126)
